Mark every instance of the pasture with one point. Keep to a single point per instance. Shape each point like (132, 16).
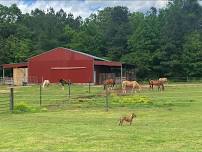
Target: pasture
(171, 122)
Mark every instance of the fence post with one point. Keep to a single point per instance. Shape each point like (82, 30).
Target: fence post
(40, 95)
(107, 102)
(89, 87)
(187, 79)
(11, 100)
(69, 87)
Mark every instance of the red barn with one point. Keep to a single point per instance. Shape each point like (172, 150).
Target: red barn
(68, 64)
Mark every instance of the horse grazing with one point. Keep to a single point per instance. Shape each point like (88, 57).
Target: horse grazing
(127, 119)
(46, 83)
(133, 84)
(109, 82)
(158, 83)
(164, 80)
(64, 82)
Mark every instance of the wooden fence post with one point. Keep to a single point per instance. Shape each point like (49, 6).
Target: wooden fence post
(89, 87)
(69, 86)
(11, 100)
(40, 95)
(187, 79)
(107, 102)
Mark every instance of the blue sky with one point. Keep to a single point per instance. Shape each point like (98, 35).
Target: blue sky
(29, 2)
(84, 7)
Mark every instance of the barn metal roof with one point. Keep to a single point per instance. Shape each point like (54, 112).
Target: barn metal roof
(92, 56)
(67, 49)
(15, 65)
(98, 60)
(107, 63)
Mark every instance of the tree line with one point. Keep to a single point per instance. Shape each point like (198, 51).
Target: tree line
(164, 42)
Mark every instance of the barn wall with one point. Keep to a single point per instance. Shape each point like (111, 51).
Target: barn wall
(46, 66)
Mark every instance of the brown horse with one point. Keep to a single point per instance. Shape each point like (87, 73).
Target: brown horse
(158, 83)
(109, 82)
(64, 82)
(133, 84)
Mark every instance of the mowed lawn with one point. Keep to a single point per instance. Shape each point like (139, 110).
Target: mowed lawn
(172, 123)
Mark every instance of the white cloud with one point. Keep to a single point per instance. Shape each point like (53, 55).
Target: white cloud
(133, 5)
(86, 7)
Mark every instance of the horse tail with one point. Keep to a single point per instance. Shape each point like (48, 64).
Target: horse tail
(150, 83)
(114, 82)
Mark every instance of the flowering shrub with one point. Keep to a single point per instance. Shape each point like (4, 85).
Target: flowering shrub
(131, 99)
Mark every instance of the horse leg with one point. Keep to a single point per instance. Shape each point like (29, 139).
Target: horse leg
(135, 90)
(120, 123)
(130, 123)
(124, 90)
(43, 85)
(159, 88)
(132, 90)
(111, 87)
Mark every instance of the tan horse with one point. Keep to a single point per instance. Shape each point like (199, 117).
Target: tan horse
(133, 84)
(164, 80)
(158, 83)
(46, 83)
(128, 119)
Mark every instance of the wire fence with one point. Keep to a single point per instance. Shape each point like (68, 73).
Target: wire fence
(185, 79)
(79, 96)
(51, 96)
(4, 101)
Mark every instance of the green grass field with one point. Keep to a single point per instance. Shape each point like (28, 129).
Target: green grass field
(172, 123)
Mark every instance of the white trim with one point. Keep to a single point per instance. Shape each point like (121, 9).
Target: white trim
(67, 68)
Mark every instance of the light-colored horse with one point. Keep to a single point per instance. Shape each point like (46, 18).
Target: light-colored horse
(133, 84)
(46, 83)
(164, 80)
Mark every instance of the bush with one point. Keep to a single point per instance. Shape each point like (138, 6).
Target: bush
(131, 99)
(23, 108)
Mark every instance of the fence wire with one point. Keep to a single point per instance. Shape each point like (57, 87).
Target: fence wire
(79, 95)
